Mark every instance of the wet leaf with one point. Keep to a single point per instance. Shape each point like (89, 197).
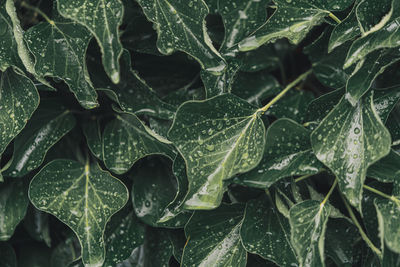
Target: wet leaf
(388, 218)
(385, 170)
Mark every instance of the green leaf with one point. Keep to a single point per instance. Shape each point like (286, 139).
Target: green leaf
(266, 58)
(218, 138)
(178, 241)
(320, 107)
(126, 140)
(287, 153)
(65, 252)
(389, 221)
(214, 238)
(13, 206)
(348, 140)
(385, 170)
(91, 130)
(181, 26)
(154, 187)
(7, 255)
(84, 197)
(308, 224)
(371, 15)
(292, 20)
(261, 229)
(46, 127)
(67, 41)
(102, 19)
(385, 100)
(36, 223)
(19, 99)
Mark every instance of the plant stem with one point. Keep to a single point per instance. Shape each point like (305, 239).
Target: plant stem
(360, 229)
(380, 193)
(284, 91)
(37, 10)
(329, 193)
(332, 16)
(301, 178)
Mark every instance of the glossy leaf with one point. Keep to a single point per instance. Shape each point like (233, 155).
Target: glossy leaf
(388, 218)
(385, 100)
(287, 153)
(19, 99)
(292, 20)
(125, 141)
(266, 232)
(103, 20)
(215, 240)
(218, 138)
(47, 126)
(188, 33)
(372, 15)
(308, 225)
(84, 197)
(348, 140)
(385, 170)
(13, 206)
(66, 41)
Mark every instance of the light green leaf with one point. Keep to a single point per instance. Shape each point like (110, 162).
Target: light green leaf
(19, 99)
(214, 238)
(218, 138)
(292, 20)
(261, 229)
(308, 224)
(181, 26)
(7, 255)
(65, 41)
(13, 206)
(125, 141)
(389, 221)
(102, 18)
(348, 140)
(287, 153)
(84, 197)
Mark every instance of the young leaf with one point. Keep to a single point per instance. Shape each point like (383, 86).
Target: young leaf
(292, 20)
(214, 240)
(65, 41)
(308, 224)
(348, 140)
(103, 20)
(287, 153)
(19, 99)
(82, 197)
(188, 33)
(218, 138)
(261, 229)
(13, 206)
(125, 141)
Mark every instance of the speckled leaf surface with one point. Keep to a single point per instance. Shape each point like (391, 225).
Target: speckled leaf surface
(292, 20)
(180, 26)
(47, 126)
(348, 140)
(68, 42)
(308, 225)
(385, 101)
(372, 15)
(125, 141)
(389, 220)
(102, 18)
(215, 240)
(8, 46)
(19, 99)
(287, 153)
(218, 138)
(84, 197)
(262, 227)
(7, 254)
(13, 206)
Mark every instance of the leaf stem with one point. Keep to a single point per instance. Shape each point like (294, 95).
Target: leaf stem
(380, 193)
(329, 193)
(284, 91)
(360, 229)
(37, 10)
(301, 178)
(332, 16)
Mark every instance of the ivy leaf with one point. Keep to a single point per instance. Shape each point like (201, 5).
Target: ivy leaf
(46, 127)
(103, 20)
(91, 130)
(13, 206)
(348, 140)
(66, 41)
(308, 224)
(385, 100)
(8, 46)
(287, 153)
(388, 218)
(188, 33)
(84, 197)
(372, 15)
(125, 141)
(266, 58)
(385, 170)
(214, 240)
(7, 254)
(292, 20)
(262, 214)
(19, 99)
(218, 138)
